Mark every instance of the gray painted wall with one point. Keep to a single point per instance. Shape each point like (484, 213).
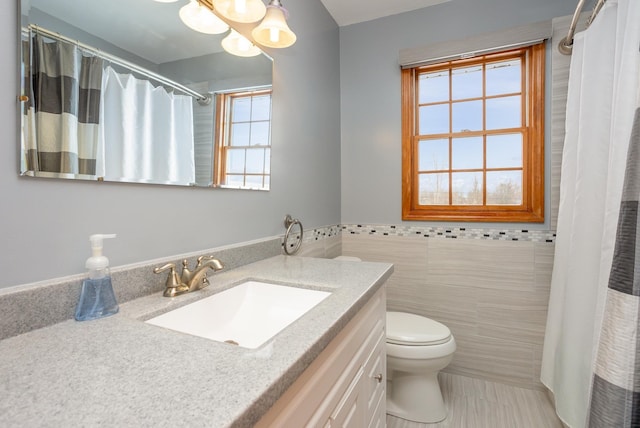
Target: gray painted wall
(48, 22)
(222, 70)
(370, 95)
(46, 223)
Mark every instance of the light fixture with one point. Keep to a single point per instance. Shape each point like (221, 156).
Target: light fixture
(273, 31)
(201, 19)
(236, 44)
(245, 11)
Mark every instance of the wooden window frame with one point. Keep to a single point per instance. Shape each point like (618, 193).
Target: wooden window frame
(532, 208)
(222, 137)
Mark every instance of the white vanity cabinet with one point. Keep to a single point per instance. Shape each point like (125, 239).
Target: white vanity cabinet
(345, 385)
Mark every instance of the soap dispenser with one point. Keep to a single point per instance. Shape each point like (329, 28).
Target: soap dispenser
(96, 298)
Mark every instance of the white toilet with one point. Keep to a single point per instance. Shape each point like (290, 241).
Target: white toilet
(417, 349)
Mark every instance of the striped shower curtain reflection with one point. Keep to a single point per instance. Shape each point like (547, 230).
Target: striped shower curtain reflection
(61, 129)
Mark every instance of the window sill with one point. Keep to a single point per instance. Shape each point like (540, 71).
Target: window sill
(474, 215)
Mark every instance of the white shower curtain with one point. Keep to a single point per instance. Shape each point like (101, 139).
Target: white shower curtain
(147, 132)
(603, 93)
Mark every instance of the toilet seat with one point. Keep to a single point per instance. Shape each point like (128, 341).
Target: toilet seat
(415, 330)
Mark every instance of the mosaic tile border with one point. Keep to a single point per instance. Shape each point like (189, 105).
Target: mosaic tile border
(317, 234)
(322, 233)
(451, 232)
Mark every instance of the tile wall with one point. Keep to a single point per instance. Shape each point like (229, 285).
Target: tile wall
(492, 294)
(490, 287)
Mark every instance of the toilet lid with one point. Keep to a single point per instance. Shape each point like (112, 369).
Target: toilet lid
(415, 330)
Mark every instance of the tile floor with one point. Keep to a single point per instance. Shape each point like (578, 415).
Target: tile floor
(476, 403)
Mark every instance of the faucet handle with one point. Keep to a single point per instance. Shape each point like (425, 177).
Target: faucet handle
(173, 285)
(186, 272)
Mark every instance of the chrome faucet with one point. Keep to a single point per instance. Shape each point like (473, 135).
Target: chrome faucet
(188, 281)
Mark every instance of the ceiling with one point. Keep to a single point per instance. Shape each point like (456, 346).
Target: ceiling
(154, 32)
(347, 12)
(149, 29)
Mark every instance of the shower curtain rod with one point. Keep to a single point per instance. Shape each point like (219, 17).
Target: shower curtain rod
(566, 44)
(202, 99)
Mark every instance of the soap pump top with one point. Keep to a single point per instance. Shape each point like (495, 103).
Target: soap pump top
(97, 263)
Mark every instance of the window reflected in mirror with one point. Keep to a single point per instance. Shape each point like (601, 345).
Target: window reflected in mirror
(243, 124)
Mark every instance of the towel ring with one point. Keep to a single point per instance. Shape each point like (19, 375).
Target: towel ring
(289, 222)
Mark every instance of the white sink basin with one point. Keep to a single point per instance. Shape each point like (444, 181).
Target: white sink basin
(248, 314)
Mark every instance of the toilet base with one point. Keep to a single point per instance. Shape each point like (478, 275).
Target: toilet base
(420, 396)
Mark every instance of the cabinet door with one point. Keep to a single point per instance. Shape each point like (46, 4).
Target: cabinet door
(375, 383)
(379, 417)
(351, 412)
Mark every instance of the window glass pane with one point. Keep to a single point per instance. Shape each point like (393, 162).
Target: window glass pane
(235, 180)
(241, 110)
(504, 112)
(504, 77)
(434, 189)
(467, 153)
(235, 161)
(255, 161)
(466, 188)
(467, 116)
(267, 165)
(260, 133)
(433, 155)
(504, 188)
(253, 181)
(433, 87)
(434, 119)
(466, 82)
(240, 134)
(261, 107)
(504, 151)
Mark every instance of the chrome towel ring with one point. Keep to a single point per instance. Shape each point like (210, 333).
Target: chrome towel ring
(289, 222)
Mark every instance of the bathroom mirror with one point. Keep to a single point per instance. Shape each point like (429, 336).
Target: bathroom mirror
(104, 97)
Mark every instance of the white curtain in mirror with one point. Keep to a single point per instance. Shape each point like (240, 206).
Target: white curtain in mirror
(147, 132)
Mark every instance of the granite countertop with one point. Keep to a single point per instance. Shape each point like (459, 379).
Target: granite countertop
(120, 371)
